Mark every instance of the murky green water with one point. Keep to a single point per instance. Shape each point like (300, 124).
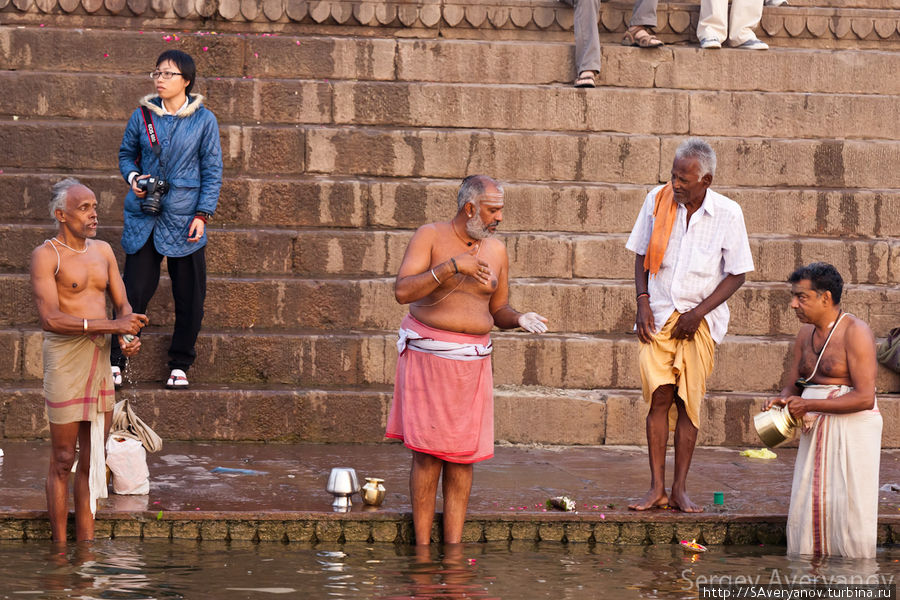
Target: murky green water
(135, 569)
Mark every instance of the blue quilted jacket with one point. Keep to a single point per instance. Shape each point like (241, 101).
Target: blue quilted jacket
(192, 159)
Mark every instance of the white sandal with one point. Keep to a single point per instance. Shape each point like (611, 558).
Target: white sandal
(117, 377)
(177, 380)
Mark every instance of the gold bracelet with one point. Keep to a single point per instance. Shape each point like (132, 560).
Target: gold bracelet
(85, 325)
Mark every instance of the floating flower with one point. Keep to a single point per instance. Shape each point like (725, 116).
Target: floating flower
(692, 546)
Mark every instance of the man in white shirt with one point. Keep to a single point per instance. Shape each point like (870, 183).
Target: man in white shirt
(692, 254)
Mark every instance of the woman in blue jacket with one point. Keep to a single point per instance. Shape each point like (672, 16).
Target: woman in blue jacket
(172, 224)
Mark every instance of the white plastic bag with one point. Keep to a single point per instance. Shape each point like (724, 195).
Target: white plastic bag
(127, 460)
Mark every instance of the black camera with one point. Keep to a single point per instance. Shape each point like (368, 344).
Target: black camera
(156, 188)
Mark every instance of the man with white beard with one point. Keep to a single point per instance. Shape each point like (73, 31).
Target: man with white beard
(454, 276)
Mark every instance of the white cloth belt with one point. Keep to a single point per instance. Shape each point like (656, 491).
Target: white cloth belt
(452, 350)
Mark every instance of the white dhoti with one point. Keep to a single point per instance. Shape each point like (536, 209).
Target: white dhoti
(834, 496)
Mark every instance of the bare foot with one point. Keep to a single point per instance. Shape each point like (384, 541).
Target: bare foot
(652, 499)
(681, 502)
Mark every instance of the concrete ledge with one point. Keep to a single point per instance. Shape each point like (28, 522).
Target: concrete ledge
(310, 527)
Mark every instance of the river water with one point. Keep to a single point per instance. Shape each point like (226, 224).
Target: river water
(138, 569)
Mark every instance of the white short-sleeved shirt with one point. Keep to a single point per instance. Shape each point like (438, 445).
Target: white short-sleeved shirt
(697, 258)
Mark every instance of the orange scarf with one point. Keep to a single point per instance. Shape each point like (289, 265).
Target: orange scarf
(663, 220)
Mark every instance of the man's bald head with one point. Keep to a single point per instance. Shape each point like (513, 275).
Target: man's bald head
(473, 188)
(60, 193)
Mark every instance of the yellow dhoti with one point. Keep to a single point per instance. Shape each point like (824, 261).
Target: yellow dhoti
(686, 364)
(78, 387)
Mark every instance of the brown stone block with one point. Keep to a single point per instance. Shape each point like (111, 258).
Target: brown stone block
(328, 531)
(12, 529)
(292, 202)
(185, 530)
(385, 531)
(606, 533)
(538, 255)
(687, 531)
(786, 115)
(594, 306)
(495, 62)
(250, 252)
(632, 534)
(440, 153)
(770, 533)
(242, 531)
(24, 197)
(37, 529)
(741, 533)
(310, 57)
(473, 531)
(24, 415)
(571, 361)
(858, 261)
(803, 71)
(714, 533)
(157, 529)
(357, 531)
(602, 256)
(12, 357)
(884, 534)
(485, 106)
(769, 359)
(808, 163)
(264, 150)
(103, 529)
(60, 145)
(496, 531)
(231, 99)
(349, 253)
(125, 528)
(660, 533)
(437, 532)
(291, 101)
(625, 419)
(300, 531)
(407, 533)
(347, 417)
(552, 531)
(541, 417)
(579, 532)
(214, 530)
(895, 532)
(70, 95)
(272, 531)
(524, 530)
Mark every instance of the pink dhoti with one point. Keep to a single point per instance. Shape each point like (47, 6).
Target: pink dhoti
(443, 393)
(834, 496)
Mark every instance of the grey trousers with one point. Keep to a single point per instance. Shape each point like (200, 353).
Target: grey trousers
(587, 36)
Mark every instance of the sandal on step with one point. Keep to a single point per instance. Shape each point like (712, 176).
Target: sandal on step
(177, 380)
(639, 36)
(586, 80)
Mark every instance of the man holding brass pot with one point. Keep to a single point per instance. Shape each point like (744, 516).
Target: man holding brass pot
(172, 160)
(830, 390)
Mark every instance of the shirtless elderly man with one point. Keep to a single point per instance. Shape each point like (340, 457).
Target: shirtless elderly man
(454, 276)
(830, 387)
(71, 274)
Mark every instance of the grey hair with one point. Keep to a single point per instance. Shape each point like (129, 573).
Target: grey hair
(699, 150)
(472, 189)
(60, 191)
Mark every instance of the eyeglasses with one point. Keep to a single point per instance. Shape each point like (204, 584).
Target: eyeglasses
(164, 75)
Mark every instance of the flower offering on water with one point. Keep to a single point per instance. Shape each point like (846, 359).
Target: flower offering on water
(692, 546)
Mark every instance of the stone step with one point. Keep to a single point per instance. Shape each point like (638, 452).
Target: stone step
(521, 415)
(364, 358)
(442, 153)
(474, 106)
(387, 203)
(534, 61)
(367, 253)
(572, 305)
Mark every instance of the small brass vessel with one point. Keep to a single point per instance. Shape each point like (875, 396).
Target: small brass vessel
(373, 491)
(775, 426)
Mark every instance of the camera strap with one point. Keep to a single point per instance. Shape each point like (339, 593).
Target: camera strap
(150, 128)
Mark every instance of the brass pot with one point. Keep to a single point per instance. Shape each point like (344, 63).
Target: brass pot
(775, 426)
(373, 492)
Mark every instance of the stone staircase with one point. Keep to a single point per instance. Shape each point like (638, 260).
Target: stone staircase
(346, 125)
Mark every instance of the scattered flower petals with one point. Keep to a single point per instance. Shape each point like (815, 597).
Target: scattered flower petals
(602, 516)
(205, 48)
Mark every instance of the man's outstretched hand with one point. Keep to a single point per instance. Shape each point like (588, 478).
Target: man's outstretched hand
(533, 322)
